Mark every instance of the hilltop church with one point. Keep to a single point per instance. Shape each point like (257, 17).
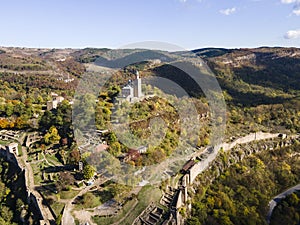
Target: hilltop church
(132, 92)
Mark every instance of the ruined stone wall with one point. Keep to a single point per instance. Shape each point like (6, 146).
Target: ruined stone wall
(239, 150)
(201, 166)
(31, 198)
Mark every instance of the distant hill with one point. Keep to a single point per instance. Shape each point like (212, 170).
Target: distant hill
(211, 52)
(259, 75)
(249, 76)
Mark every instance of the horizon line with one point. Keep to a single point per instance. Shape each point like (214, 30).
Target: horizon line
(114, 48)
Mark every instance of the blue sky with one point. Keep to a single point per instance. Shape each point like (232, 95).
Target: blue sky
(113, 23)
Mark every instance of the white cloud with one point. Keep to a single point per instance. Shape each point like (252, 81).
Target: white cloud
(228, 11)
(296, 12)
(296, 3)
(292, 34)
(183, 1)
(289, 1)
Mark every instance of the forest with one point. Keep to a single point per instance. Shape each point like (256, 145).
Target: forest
(287, 211)
(240, 195)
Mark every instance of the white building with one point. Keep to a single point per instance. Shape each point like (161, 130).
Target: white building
(133, 90)
(56, 100)
(142, 149)
(127, 92)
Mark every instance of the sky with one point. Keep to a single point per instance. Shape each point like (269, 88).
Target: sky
(189, 24)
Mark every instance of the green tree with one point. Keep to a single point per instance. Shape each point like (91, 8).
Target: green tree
(19, 205)
(115, 149)
(9, 109)
(88, 172)
(292, 199)
(193, 221)
(4, 191)
(47, 120)
(3, 222)
(6, 213)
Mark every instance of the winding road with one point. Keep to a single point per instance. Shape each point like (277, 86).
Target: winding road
(278, 198)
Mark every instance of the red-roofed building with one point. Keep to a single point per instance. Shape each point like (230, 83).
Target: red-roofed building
(132, 155)
(188, 166)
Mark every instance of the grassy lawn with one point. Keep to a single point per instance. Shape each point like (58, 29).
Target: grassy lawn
(37, 168)
(20, 152)
(52, 159)
(57, 208)
(36, 173)
(32, 156)
(68, 194)
(93, 199)
(147, 195)
(52, 199)
(40, 156)
(98, 197)
(4, 142)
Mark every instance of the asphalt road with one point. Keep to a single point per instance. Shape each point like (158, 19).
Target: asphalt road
(278, 198)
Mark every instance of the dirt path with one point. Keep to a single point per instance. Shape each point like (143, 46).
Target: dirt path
(85, 216)
(67, 218)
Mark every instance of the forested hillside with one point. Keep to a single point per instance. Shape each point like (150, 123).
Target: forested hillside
(260, 87)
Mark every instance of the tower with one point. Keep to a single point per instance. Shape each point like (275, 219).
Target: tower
(137, 86)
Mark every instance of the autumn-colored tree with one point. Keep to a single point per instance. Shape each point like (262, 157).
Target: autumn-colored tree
(6, 123)
(52, 136)
(20, 123)
(74, 157)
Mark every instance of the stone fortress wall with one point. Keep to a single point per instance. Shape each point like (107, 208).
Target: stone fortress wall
(239, 151)
(11, 153)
